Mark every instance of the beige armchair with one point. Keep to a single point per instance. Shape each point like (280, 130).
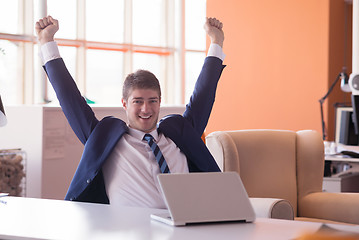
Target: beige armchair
(286, 165)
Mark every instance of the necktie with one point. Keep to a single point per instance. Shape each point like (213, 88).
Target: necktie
(158, 154)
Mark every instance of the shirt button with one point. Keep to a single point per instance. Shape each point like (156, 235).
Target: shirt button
(88, 181)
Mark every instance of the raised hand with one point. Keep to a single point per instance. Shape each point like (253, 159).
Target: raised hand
(214, 30)
(46, 29)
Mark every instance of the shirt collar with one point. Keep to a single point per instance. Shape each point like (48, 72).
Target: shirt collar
(139, 134)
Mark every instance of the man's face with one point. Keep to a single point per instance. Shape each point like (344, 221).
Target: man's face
(142, 109)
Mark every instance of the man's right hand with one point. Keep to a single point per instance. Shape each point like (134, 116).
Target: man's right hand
(46, 29)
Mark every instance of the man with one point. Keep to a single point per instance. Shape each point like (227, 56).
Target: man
(120, 162)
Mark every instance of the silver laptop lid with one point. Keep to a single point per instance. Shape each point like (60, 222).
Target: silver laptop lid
(206, 197)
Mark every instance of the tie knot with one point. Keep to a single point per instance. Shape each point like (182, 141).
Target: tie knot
(148, 137)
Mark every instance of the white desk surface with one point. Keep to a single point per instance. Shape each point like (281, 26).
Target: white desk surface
(30, 218)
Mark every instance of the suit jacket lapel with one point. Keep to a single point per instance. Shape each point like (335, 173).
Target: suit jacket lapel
(181, 132)
(97, 149)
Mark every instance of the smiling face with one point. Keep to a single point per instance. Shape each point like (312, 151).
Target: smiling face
(142, 108)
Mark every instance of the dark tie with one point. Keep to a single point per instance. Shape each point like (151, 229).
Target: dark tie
(158, 154)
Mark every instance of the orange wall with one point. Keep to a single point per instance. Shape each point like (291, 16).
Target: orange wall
(277, 64)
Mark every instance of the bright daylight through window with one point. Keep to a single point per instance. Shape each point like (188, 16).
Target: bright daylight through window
(101, 42)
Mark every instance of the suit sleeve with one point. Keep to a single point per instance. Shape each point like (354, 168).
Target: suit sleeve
(78, 113)
(200, 105)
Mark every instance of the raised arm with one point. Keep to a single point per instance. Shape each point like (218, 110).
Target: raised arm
(78, 113)
(199, 108)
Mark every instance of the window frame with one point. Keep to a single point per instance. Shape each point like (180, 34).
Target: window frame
(173, 62)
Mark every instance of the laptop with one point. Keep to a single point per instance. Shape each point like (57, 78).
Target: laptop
(204, 198)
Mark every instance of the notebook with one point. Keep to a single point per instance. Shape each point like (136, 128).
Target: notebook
(204, 198)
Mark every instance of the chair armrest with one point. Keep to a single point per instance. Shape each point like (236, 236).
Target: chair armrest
(272, 208)
(340, 207)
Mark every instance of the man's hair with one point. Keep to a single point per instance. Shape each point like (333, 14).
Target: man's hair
(141, 79)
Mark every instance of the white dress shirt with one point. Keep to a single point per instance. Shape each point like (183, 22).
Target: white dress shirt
(130, 172)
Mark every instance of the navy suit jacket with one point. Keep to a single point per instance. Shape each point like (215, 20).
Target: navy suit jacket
(100, 137)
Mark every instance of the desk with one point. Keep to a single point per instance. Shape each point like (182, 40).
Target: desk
(29, 218)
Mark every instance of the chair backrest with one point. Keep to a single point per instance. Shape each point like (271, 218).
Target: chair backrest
(272, 163)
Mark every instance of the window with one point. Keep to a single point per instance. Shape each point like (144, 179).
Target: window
(104, 81)
(101, 42)
(195, 42)
(104, 23)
